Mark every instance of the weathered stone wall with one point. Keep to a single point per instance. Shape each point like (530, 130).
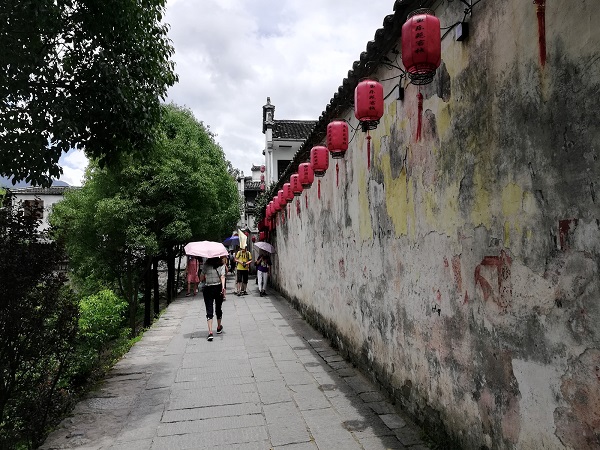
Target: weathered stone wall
(462, 270)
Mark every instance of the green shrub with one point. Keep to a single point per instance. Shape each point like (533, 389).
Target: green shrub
(101, 321)
(102, 318)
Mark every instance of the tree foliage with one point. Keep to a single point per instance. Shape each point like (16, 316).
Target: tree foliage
(79, 73)
(140, 208)
(38, 319)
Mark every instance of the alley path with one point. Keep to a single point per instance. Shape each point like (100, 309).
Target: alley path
(270, 381)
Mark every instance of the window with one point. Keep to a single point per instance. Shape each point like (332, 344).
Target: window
(33, 208)
(281, 166)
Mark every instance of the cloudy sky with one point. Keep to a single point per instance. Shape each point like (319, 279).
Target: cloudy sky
(232, 54)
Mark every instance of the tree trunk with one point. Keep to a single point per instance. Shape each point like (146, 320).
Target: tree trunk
(148, 292)
(178, 265)
(131, 299)
(170, 275)
(156, 287)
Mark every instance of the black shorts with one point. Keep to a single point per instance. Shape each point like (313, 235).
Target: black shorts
(242, 276)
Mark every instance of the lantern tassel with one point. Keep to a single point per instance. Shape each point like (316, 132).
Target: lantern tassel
(368, 151)
(541, 16)
(337, 175)
(319, 190)
(419, 115)
(297, 207)
(306, 200)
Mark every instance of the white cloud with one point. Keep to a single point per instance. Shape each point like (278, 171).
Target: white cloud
(73, 164)
(232, 54)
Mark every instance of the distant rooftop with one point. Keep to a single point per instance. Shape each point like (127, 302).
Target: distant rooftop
(53, 190)
(293, 129)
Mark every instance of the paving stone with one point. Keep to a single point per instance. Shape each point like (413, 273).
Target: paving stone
(143, 444)
(409, 436)
(327, 430)
(309, 396)
(199, 373)
(239, 409)
(393, 421)
(382, 443)
(209, 382)
(286, 434)
(211, 440)
(191, 400)
(273, 392)
(282, 413)
(382, 407)
(359, 384)
(295, 378)
(211, 424)
(302, 446)
(292, 366)
(372, 396)
(265, 374)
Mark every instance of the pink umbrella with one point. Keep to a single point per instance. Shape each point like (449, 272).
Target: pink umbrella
(205, 249)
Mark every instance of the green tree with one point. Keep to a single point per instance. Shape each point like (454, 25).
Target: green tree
(128, 214)
(38, 319)
(79, 73)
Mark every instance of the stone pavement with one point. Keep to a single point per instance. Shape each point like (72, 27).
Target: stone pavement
(270, 381)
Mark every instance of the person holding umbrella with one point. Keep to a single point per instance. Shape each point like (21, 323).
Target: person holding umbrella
(263, 266)
(213, 273)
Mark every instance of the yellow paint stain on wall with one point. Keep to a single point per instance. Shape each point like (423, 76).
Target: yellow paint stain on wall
(364, 214)
(512, 196)
(481, 215)
(441, 213)
(399, 198)
(506, 234)
(430, 204)
(449, 217)
(443, 120)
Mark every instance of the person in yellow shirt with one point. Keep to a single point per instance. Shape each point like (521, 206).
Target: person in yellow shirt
(243, 258)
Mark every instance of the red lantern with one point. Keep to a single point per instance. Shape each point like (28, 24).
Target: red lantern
(368, 103)
(319, 160)
(262, 236)
(253, 238)
(269, 210)
(288, 194)
(262, 177)
(296, 185)
(368, 108)
(306, 175)
(276, 204)
(262, 186)
(281, 198)
(421, 46)
(262, 169)
(337, 138)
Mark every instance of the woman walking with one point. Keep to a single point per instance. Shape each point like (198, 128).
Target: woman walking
(192, 275)
(213, 273)
(263, 266)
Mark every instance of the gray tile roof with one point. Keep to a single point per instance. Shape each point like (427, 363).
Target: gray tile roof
(54, 190)
(293, 129)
